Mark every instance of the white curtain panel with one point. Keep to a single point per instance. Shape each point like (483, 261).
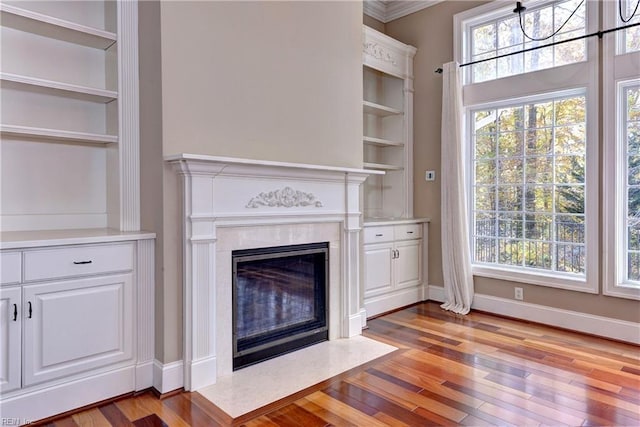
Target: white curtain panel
(456, 264)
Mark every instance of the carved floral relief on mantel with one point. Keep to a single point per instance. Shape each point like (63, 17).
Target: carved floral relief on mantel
(285, 198)
(379, 52)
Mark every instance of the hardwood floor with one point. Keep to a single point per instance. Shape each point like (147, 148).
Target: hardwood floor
(449, 370)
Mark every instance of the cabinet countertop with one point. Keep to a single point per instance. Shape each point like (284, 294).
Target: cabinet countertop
(39, 238)
(374, 222)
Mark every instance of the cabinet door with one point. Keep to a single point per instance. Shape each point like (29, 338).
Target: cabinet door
(76, 325)
(378, 274)
(10, 350)
(408, 268)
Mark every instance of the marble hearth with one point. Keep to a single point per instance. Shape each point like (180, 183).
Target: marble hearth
(231, 204)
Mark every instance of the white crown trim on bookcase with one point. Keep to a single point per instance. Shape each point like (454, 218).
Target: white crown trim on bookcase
(379, 52)
(388, 10)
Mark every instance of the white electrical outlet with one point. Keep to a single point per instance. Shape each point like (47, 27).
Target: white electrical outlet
(519, 294)
(430, 175)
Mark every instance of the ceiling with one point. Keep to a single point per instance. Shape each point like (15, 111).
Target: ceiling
(388, 10)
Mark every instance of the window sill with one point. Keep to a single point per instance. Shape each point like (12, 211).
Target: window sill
(541, 278)
(622, 290)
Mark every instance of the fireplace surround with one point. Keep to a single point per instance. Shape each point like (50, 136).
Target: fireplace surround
(231, 204)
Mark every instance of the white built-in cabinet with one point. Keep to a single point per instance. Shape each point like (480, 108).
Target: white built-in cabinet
(394, 243)
(76, 288)
(394, 265)
(75, 313)
(95, 312)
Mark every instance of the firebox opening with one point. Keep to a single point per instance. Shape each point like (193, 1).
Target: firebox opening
(280, 297)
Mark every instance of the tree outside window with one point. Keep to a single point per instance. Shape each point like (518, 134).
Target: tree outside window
(529, 185)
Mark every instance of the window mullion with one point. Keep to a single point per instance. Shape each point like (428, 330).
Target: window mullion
(553, 39)
(554, 214)
(497, 26)
(496, 181)
(524, 237)
(621, 140)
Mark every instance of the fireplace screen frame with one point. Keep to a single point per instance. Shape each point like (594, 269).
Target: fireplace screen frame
(302, 334)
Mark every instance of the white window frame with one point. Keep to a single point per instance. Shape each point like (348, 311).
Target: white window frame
(496, 13)
(571, 78)
(612, 19)
(464, 21)
(619, 71)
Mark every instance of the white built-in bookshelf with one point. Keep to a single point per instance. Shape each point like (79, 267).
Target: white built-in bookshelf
(388, 126)
(69, 122)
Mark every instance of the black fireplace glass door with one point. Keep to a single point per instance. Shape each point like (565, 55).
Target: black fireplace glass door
(279, 297)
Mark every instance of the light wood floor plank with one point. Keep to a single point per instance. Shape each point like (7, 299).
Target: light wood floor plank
(394, 392)
(582, 393)
(509, 416)
(389, 421)
(149, 402)
(413, 376)
(133, 409)
(343, 411)
(91, 418)
(323, 413)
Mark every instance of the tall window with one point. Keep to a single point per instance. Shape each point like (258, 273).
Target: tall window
(621, 111)
(529, 184)
(533, 145)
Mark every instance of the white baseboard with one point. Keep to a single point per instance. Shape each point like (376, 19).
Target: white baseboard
(201, 373)
(576, 321)
(387, 302)
(354, 325)
(144, 375)
(435, 293)
(168, 377)
(363, 318)
(47, 402)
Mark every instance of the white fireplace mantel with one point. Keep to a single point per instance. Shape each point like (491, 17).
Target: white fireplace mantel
(231, 193)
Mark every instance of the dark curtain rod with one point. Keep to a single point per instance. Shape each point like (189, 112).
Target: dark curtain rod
(598, 33)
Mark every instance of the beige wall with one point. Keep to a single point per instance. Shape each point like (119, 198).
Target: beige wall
(263, 80)
(431, 31)
(373, 23)
(151, 148)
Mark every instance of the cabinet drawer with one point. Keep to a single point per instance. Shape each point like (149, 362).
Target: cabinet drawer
(407, 231)
(378, 234)
(77, 261)
(10, 267)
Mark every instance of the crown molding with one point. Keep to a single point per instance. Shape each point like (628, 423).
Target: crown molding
(376, 9)
(398, 9)
(388, 10)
